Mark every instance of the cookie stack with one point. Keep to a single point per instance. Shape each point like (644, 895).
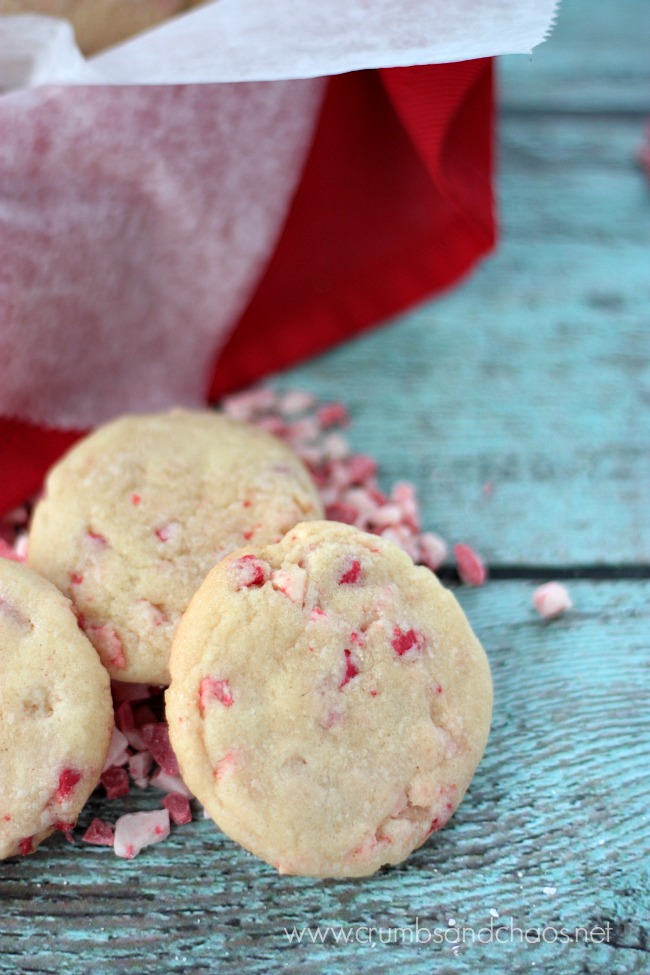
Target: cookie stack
(328, 702)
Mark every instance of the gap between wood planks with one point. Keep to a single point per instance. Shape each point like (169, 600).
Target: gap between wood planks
(561, 114)
(536, 573)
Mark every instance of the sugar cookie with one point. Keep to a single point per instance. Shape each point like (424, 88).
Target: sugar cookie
(329, 703)
(56, 713)
(136, 514)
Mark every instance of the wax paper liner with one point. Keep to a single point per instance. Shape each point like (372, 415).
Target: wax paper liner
(161, 242)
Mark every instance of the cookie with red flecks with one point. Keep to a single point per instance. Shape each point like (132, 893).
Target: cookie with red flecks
(329, 702)
(136, 514)
(56, 712)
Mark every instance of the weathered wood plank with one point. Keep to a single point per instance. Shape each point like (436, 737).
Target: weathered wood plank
(575, 180)
(544, 402)
(595, 61)
(554, 833)
(534, 375)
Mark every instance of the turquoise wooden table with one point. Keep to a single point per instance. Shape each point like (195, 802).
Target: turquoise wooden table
(533, 376)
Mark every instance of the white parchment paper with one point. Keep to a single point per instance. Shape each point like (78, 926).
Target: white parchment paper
(135, 221)
(249, 40)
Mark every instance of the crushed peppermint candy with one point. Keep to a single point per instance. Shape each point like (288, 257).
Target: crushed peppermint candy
(8, 551)
(140, 752)
(137, 830)
(156, 739)
(118, 750)
(99, 833)
(169, 783)
(116, 782)
(214, 689)
(178, 806)
(551, 600)
(470, 565)
(347, 481)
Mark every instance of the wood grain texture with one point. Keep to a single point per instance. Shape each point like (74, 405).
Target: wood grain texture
(550, 411)
(534, 375)
(597, 61)
(559, 802)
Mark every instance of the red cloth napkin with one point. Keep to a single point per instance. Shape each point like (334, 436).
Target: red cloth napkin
(395, 204)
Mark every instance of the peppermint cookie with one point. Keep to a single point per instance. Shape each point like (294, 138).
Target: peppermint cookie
(56, 713)
(329, 702)
(136, 514)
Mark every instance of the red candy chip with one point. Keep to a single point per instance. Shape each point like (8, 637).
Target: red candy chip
(99, 833)
(130, 692)
(116, 782)
(352, 574)
(26, 846)
(68, 779)
(214, 689)
(470, 565)
(361, 468)
(405, 640)
(179, 808)
(156, 739)
(143, 715)
(124, 716)
(248, 572)
(342, 511)
(351, 669)
(332, 414)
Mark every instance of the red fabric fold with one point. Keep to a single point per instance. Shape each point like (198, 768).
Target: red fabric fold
(395, 204)
(26, 452)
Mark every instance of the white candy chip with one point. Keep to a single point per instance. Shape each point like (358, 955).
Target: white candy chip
(118, 753)
(137, 830)
(551, 600)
